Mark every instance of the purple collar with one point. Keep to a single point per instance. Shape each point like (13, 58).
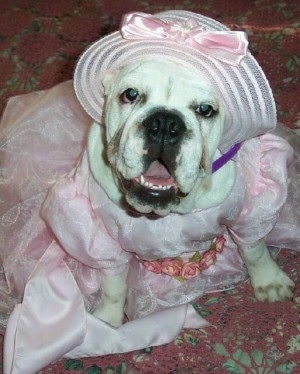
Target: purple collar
(221, 161)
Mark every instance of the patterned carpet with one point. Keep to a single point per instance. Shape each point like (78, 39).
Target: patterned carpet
(40, 42)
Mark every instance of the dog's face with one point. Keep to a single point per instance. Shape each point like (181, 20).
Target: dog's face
(163, 126)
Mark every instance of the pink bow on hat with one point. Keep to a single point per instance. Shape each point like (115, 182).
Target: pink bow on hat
(227, 46)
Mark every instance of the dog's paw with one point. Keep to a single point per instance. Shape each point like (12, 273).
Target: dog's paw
(272, 285)
(269, 282)
(111, 314)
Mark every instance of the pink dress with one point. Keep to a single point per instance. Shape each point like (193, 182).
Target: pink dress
(60, 232)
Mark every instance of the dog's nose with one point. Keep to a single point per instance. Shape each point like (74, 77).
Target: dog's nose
(164, 127)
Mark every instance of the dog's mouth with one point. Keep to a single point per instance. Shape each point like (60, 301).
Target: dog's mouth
(155, 188)
(157, 178)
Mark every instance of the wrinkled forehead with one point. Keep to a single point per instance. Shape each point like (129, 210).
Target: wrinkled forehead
(165, 76)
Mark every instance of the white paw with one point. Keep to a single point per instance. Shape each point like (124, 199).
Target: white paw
(272, 285)
(112, 314)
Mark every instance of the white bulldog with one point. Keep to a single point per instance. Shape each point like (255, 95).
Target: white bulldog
(178, 185)
(154, 156)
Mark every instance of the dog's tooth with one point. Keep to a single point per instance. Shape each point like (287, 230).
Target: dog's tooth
(152, 186)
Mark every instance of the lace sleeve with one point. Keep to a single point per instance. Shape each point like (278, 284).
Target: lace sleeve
(79, 230)
(263, 165)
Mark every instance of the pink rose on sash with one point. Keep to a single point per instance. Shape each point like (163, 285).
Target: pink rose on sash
(153, 266)
(220, 244)
(171, 267)
(208, 259)
(190, 270)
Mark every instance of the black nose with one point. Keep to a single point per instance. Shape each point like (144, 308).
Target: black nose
(164, 128)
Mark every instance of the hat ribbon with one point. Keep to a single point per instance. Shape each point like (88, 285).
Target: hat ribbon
(227, 46)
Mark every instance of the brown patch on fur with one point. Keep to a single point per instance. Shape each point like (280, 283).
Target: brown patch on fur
(113, 146)
(204, 163)
(265, 290)
(169, 88)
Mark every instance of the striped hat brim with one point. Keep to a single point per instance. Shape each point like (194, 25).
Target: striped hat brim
(244, 89)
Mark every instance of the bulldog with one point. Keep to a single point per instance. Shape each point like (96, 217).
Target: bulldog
(154, 157)
(149, 180)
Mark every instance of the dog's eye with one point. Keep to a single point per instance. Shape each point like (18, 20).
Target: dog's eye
(205, 110)
(130, 95)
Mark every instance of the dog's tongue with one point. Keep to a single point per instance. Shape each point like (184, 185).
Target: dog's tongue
(158, 174)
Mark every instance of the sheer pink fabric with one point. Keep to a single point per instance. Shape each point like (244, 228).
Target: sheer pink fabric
(60, 233)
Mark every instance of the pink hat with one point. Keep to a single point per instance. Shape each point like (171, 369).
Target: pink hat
(198, 42)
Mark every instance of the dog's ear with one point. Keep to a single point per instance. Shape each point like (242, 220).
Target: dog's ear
(108, 80)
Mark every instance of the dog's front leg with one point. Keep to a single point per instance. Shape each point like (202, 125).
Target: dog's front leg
(269, 282)
(114, 289)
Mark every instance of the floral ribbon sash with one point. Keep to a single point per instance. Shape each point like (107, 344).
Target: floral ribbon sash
(183, 269)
